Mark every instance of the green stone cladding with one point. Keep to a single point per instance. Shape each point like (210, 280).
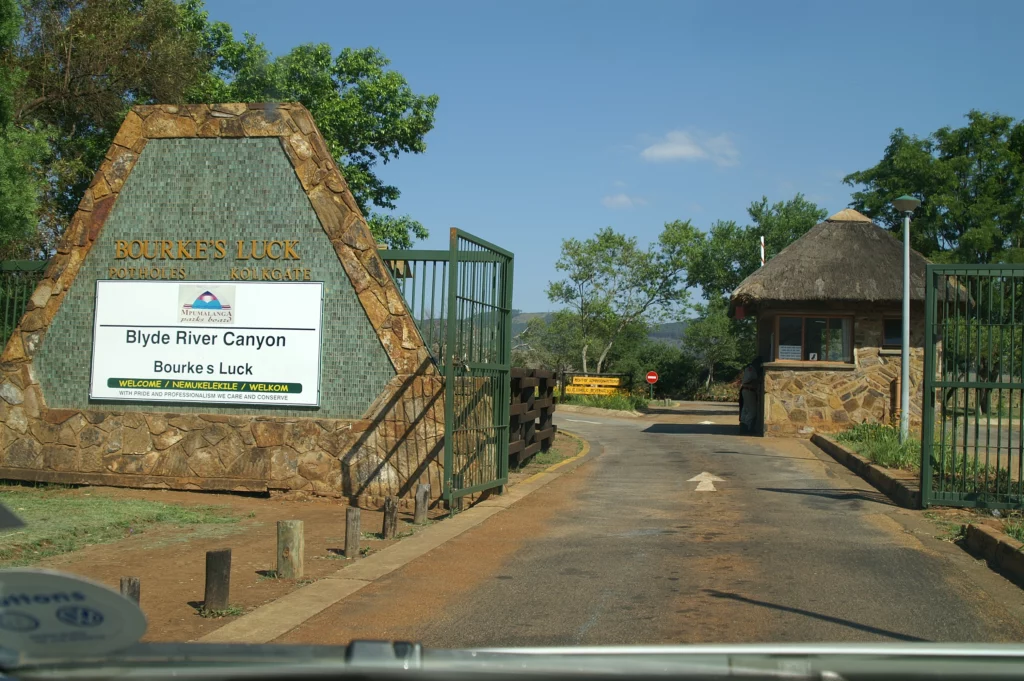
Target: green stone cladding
(218, 189)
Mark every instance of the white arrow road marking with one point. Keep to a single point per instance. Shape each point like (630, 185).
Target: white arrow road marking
(705, 482)
(596, 423)
(707, 423)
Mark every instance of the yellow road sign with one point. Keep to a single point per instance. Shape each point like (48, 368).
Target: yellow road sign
(595, 380)
(590, 390)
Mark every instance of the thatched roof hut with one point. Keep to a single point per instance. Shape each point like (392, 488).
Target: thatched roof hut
(846, 258)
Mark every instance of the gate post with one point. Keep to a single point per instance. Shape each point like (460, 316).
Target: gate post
(928, 398)
(448, 360)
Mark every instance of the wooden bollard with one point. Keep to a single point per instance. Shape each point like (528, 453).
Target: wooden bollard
(352, 532)
(422, 502)
(390, 528)
(218, 579)
(291, 549)
(131, 588)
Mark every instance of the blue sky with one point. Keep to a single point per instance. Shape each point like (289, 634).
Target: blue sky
(559, 118)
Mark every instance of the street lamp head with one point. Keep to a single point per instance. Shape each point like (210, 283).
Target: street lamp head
(906, 204)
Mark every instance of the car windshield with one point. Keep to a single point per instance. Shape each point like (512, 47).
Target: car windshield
(505, 325)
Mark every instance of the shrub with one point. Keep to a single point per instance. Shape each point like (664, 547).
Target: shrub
(620, 402)
(881, 445)
(950, 471)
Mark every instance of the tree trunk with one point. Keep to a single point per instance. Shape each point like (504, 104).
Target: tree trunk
(585, 346)
(604, 356)
(711, 372)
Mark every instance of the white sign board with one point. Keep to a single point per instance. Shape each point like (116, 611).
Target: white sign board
(214, 342)
(789, 351)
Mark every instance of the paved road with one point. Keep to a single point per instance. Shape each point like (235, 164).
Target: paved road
(622, 550)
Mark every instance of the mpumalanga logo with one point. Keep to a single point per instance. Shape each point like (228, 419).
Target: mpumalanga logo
(207, 301)
(202, 305)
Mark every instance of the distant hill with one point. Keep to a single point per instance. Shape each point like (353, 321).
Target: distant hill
(670, 333)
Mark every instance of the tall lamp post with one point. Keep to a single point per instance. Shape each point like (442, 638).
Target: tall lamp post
(906, 205)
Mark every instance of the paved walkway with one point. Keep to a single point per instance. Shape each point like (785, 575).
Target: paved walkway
(623, 550)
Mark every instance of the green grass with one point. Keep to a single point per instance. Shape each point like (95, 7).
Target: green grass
(620, 402)
(546, 458)
(881, 445)
(230, 611)
(60, 521)
(1014, 526)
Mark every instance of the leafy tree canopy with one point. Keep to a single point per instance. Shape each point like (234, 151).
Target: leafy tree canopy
(367, 113)
(728, 253)
(971, 184)
(81, 66)
(21, 149)
(611, 283)
(711, 339)
(71, 69)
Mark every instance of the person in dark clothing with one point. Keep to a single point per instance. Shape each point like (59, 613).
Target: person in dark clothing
(750, 384)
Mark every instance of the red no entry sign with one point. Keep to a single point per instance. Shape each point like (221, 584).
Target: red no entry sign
(652, 377)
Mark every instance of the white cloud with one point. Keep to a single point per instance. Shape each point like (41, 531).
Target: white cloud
(622, 201)
(680, 145)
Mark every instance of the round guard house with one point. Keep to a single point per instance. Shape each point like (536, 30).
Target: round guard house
(218, 317)
(829, 328)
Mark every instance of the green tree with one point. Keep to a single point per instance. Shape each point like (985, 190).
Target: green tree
(396, 232)
(728, 254)
(552, 343)
(21, 149)
(76, 68)
(612, 284)
(711, 340)
(677, 372)
(971, 183)
(80, 66)
(367, 113)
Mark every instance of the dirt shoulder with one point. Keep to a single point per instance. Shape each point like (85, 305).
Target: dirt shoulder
(170, 559)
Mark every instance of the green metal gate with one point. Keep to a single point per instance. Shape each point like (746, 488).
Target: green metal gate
(972, 453)
(18, 279)
(461, 300)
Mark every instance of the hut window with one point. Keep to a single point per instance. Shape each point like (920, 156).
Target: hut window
(815, 339)
(892, 332)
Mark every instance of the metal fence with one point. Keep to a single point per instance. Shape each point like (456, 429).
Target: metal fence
(18, 279)
(972, 451)
(461, 300)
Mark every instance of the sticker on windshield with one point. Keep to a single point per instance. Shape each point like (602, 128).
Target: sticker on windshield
(46, 615)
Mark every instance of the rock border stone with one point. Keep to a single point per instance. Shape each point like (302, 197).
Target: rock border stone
(1002, 552)
(893, 486)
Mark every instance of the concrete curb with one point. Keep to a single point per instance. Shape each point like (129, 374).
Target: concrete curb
(270, 621)
(1001, 551)
(882, 479)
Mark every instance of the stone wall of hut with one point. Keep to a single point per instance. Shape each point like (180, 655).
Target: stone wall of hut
(805, 398)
